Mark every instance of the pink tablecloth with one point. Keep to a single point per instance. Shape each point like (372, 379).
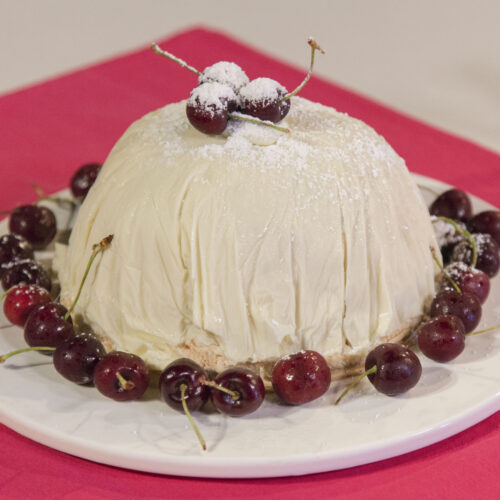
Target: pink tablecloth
(48, 130)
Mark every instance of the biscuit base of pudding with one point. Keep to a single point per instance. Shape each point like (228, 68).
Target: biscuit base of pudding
(242, 248)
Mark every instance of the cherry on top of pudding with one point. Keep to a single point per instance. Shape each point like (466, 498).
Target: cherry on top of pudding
(244, 247)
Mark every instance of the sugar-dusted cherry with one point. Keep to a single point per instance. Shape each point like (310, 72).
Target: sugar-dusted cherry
(121, 376)
(29, 272)
(21, 300)
(488, 253)
(83, 179)
(442, 338)
(463, 305)
(301, 377)
(468, 279)
(227, 73)
(36, 224)
(13, 248)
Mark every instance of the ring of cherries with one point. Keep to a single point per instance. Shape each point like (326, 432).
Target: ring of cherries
(470, 251)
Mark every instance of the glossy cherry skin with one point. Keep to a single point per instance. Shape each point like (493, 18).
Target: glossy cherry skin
(464, 305)
(442, 338)
(301, 377)
(46, 326)
(453, 204)
(131, 367)
(187, 372)
(398, 369)
(21, 301)
(13, 248)
(77, 358)
(29, 272)
(486, 222)
(83, 179)
(469, 280)
(34, 223)
(246, 383)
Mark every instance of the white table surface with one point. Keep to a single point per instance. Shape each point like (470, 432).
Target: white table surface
(437, 60)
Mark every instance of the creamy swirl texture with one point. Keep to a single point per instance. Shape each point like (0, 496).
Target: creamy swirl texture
(246, 247)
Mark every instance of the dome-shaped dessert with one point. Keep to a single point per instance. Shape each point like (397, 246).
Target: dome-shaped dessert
(242, 248)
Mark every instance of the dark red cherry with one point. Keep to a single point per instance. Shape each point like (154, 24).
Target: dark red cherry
(84, 178)
(453, 204)
(469, 280)
(488, 253)
(46, 326)
(121, 376)
(263, 98)
(247, 385)
(28, 272)
(21, 301)
(208, 106)
(397, 369)
(463, 305)
(76, 358)
(301, 377)
(34, 223)
(442, 338)
(486, 222)
(12, 248)
(186, 372)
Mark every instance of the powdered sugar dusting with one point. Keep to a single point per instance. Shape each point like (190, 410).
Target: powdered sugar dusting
(225, 72)
(262, 89)
(211, 95)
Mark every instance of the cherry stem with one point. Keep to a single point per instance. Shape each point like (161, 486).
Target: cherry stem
(156, 49)
(314, 47)
(4, 357)
(246, 118)
(210, 383)
(465, 233)
(483, 331)
(190, 418)
(126, 385)
(373, 369)
(5, 212)
(430, 190)
(43, 197)
(445, 274)
(96, 249)
(7, 292)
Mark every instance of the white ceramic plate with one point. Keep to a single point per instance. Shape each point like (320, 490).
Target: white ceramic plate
(276, 440)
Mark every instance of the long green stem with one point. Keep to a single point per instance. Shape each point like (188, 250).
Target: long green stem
(170, 56)
(430, 190)
(96, 249)
(190, 418)
(373, 369)
(443, 270)
(465, 233)
(483, 331)
(5, 212)
(314, 47)
(246, 118)
(4, 357)
(7, 292)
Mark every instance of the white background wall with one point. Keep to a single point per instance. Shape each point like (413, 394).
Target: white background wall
(438, 60)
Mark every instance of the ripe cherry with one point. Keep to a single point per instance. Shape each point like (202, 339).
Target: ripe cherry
(486, 222)
(21, 300)
(121, 376)
(83, 179)
(47, 326)
(488, 253)
(442, 338)
(301, 377)
(76, 358)
(29, 272)
(468, 279)
(13, 248)
(454, 204)
(463, 305)
(34, 223)
(227, 73)
(248, 388)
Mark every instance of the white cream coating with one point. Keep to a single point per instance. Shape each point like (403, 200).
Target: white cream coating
(317, 240)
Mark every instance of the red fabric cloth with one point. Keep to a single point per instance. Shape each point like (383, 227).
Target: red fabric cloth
(49, 130)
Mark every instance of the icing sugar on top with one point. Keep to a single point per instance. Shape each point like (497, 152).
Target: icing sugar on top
(225, 72)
